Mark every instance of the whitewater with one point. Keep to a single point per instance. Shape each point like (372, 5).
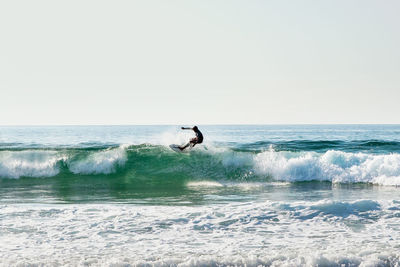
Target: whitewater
(250, 195)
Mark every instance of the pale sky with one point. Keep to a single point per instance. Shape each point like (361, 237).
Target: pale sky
(199, 62)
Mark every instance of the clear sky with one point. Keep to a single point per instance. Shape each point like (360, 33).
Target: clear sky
(199, 62)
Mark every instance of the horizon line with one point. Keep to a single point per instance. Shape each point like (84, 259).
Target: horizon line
(208, 124)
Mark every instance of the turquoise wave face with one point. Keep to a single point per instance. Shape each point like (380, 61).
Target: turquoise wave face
(132, 161)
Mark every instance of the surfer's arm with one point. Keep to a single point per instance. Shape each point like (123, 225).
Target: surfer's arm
(186, 128)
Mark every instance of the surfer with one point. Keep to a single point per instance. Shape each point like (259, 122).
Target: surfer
(196, 140)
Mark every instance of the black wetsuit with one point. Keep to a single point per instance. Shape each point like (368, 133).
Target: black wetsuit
(199, 137)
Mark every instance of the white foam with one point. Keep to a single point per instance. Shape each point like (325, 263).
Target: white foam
(102, 162)
(334, 166)
(263, 233)
(204, 184)
(174, 137)
(29, 163)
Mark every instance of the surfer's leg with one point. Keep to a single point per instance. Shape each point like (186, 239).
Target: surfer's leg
(185, 146)
(191, 143)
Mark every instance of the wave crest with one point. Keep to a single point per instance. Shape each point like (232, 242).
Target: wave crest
(333, 166)
(31, 163)
(102, 162)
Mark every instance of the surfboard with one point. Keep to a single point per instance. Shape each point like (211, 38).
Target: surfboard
(177, 149)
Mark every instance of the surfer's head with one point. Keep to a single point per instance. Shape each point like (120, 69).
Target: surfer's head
(195, 128)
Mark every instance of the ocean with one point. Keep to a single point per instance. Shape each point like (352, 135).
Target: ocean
(250, 195)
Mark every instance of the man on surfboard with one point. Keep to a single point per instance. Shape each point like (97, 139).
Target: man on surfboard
(196, 140)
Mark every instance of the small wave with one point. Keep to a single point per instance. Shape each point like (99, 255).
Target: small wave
(367, 146)
(48, 163)
(345, 209)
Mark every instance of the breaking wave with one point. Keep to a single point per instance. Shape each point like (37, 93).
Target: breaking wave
(148, 161)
